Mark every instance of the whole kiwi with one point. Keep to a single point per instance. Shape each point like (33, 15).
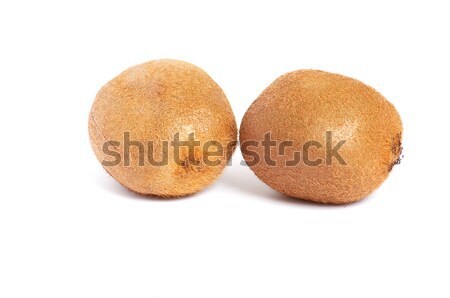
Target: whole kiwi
(328, 138)
(138, 115)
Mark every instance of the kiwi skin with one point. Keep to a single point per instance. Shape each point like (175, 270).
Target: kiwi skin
(302, 106)
(152, 102)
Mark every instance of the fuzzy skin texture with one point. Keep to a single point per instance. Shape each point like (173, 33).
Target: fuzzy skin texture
(152, 102)
(302, 106)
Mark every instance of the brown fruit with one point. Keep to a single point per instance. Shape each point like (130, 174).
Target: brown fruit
(302, 106)
(152, 102)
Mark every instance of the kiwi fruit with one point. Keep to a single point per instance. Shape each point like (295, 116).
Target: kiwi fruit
(341, 137)
(147, 107)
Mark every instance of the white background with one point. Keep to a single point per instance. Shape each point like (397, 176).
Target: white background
(69, 230)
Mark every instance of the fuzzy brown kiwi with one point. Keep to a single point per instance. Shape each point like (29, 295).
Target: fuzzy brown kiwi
(304, 105)
(153, 102)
